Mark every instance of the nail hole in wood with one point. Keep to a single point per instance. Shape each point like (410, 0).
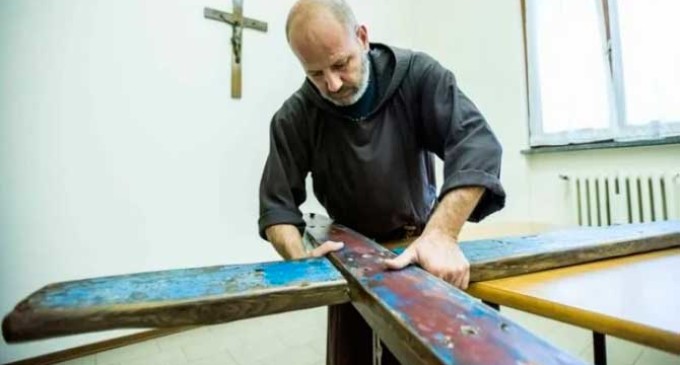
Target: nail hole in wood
(469, 330)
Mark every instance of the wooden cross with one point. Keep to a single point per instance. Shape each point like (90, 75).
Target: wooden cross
(420, 318)
(237, 22)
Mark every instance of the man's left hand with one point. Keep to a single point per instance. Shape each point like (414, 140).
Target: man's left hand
(439, 255)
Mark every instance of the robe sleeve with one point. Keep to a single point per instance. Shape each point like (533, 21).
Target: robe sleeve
(282, 187)
(455, 130)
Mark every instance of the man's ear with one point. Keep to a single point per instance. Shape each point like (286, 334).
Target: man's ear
(362, 37)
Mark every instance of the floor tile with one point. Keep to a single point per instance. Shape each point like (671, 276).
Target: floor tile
(250, 350)
(222, 358)
(568, 338)
(622, 352)
(165, 357)
(198, 351)
(656, 357)
(194, 336)
(87, 360)
(296, 355)
(127, 353)
(587, 355)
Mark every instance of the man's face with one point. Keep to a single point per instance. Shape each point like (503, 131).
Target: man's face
(334, 59)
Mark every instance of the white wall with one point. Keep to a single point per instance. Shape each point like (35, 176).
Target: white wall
(481, 41)
(121, 150)
(120, 147)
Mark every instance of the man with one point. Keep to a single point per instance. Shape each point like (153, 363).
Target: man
(365, 123)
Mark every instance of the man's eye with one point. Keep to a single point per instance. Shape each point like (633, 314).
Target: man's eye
(315, 74)
(342, 65)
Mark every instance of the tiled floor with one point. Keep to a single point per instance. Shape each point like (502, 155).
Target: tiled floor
(299, 338)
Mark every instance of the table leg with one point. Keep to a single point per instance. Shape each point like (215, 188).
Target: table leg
(599, 348)
(377, 349)
(492, 305)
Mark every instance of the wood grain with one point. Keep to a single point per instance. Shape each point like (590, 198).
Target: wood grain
(422, 319)
(175, 298)
(215, 294)
(236, 74)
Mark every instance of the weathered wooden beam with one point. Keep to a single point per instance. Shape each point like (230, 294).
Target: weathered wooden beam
(494, 259)
(175, 298)
(423, 320)
(504, 257)
(225, 293)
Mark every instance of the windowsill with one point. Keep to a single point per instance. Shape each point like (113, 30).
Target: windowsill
(600, 145)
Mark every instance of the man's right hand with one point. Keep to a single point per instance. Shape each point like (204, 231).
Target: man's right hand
(287, 241)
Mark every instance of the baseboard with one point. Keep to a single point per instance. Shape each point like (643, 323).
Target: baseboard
(93, 348)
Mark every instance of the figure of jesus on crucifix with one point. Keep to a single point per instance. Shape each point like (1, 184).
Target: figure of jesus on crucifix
(237, 22)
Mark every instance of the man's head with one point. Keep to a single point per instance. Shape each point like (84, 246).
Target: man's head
(332, 48)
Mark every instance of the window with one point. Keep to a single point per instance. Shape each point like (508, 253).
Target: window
(603, 70)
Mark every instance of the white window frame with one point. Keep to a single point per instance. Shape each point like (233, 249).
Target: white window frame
(618, 130)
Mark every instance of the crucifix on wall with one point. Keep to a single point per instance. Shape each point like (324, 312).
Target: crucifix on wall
(237, 22)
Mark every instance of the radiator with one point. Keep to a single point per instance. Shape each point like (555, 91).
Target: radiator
(602, 200)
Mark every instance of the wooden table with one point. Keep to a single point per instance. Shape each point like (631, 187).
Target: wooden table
(636, 298)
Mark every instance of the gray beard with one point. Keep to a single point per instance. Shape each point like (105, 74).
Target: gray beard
(366, 72)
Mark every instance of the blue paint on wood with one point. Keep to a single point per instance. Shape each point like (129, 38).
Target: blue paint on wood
(449, 323)
(185, 284)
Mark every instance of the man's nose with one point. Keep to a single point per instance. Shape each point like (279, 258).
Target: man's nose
(333, 82)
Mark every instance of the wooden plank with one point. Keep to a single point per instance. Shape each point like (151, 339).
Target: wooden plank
(237, 52)
(78, 352)
(499, 258)
(422, 319)
(175, 298)
(218, 294)
(504, 257)
(639, 296)
(236, 75)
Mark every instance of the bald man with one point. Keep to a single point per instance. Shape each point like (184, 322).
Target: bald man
(365, 123)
